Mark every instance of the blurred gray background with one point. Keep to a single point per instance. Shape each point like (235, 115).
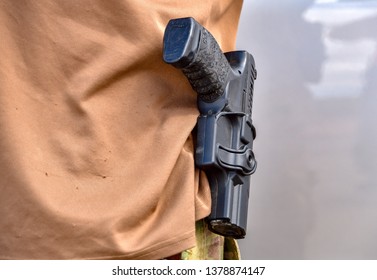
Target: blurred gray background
(314, 195)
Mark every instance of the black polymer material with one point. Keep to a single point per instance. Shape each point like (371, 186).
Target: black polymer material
(225, 133)
(190, 47)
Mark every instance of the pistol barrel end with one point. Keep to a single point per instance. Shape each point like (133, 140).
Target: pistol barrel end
(226, 228)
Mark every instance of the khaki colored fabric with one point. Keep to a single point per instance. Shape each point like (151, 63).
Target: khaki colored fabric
(210, 246)
(96, 152)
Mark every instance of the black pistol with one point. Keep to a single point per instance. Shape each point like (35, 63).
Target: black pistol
(224, 83)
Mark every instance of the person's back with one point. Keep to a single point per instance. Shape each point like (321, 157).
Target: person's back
(96, 151)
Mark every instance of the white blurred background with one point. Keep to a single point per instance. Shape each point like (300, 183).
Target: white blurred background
(314, 195)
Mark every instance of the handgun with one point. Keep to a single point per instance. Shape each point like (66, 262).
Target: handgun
(224, 84)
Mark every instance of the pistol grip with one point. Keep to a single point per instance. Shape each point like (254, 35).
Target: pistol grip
(224, 84)
(192, 48)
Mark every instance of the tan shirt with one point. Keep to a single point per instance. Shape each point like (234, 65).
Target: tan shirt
(96, 152)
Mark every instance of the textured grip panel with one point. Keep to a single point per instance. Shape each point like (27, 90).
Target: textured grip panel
(191, 48)
(208, 72)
